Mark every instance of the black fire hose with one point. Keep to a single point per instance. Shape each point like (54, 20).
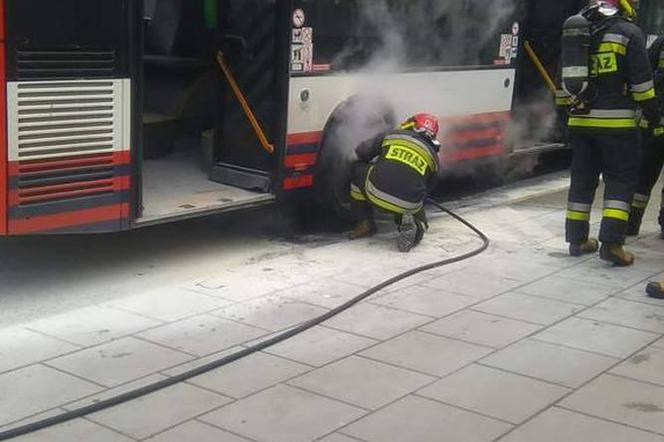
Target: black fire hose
(151, 388)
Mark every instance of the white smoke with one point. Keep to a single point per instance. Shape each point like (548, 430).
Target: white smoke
(411, 36)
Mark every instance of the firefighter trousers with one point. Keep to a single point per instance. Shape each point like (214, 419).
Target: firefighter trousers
(360, 206)
(652, 161)
(616, 158)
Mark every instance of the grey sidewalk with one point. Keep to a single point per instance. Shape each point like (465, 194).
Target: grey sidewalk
(519, 344)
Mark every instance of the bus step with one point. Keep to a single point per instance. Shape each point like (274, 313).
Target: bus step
(242, 177)
(538, 148)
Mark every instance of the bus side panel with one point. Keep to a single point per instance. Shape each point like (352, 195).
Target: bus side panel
(3, 125)
(69, 99)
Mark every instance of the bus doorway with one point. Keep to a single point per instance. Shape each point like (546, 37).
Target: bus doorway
(199, 152)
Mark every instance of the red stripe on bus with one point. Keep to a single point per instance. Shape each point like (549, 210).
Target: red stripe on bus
(304, 138)
(67, 219)
(460, 137)
(490, 117)
(4, 170)
(68, 190)
(301, 161)
(472, 154)
(298, 182)
(115, 159)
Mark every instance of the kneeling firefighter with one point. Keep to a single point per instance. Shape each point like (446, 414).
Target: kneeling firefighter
(395, 172)
(607, 73)
(653, 150)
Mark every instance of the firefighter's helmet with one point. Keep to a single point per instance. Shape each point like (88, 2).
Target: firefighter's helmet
(425, 124)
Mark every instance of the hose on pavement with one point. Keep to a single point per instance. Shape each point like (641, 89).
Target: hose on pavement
(159, 385)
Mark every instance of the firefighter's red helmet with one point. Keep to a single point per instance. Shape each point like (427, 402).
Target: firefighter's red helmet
(426, 124)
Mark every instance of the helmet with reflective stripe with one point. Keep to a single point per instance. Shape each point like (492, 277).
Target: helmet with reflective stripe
(426, 124)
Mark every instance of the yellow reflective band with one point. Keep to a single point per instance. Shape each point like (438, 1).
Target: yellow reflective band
(603, 63)
(408, 157)
(421, 150)
(658, 131)
(643, 123)
(357, 196)
(612, 47)
(616, 214)
(661, 62)
(563, 101)
(639, 204)
(578, 216)
(643, 96)
(607, 123)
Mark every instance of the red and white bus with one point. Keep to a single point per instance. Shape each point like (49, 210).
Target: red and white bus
(116, 114)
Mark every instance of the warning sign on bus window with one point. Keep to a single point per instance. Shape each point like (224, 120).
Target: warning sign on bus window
(302, 50)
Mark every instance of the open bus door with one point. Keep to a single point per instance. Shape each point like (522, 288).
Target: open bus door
(69, 72)
(254, 38)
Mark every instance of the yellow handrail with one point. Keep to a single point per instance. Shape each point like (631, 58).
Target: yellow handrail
(244, 103)
(540, 67)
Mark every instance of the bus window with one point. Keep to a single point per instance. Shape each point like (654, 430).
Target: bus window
(355, 34)
(652, 17)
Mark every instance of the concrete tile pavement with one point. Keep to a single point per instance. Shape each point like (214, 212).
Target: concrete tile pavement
(520, 344)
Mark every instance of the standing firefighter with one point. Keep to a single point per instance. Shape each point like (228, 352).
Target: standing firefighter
(653, 150)
(607, 73)
(395, 172)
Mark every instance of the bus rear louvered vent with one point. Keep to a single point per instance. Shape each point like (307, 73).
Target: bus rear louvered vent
(31, 65)
(65, 119)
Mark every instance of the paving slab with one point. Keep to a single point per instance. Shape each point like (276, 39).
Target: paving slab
(196, 431)
(320, 345)
(92, 325)
(37, 388)
(168, 304)
(561, 289)
(494, 393)
(120, 361)
(637, 293)
(647, 366)
(362, 382)
(20, 347)
(203, 334)
(111, 392)
(621, 400)
(598, 272)
(528, 308)
(559, 425)
(338, 437)
(79, 430)
(423, 420)
(376, 321)
(474, 282)
(167, 408)
(283, 414)
(481, 328)
(271, 312)
(426, 353)
(598, 337)
(325, 292)
(550, 362)
(629, 314)
(425, 301)
(249, 375)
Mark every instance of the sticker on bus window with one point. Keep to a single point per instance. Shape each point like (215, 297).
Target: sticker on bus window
(302, 50)
(505, 51)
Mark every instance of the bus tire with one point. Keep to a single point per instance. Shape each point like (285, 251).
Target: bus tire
(355, 120)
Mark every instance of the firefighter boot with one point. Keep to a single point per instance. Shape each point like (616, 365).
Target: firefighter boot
(408, 232)
(655, 289)
(616, 254)
(634, 223)
(363, 229)
(588, 246)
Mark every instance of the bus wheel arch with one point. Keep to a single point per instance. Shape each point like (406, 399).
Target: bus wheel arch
(353, 121)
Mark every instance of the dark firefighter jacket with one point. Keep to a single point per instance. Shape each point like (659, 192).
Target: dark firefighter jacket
(403, 169)
(621, 76)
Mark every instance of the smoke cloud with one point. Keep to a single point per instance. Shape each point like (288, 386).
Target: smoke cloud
(395, 36)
